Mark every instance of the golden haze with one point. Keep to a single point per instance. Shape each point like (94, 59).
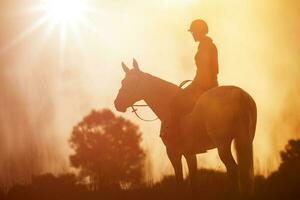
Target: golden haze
(50, 79)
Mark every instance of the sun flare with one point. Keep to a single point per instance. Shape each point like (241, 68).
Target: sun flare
(65, 16)
(65, 11)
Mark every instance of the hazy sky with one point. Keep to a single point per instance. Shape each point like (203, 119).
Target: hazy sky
(51, 78)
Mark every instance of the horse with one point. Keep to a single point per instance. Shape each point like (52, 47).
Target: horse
(220, 116)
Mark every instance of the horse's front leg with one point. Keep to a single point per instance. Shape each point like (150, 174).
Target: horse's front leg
(191, 160)
(175, 158)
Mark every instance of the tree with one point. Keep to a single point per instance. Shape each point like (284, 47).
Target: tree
(107, 150)
(291, 156)
(284, 183)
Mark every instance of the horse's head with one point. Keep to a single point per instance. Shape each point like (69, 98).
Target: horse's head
(130, 91)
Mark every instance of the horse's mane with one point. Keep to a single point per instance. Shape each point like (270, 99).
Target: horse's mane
(163, 84)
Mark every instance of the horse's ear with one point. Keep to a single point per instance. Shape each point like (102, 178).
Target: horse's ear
(125, 68)
(135, 64)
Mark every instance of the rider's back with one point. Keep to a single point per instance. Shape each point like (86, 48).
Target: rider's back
(206, 61)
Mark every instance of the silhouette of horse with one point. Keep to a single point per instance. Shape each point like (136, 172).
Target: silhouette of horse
(221, 115)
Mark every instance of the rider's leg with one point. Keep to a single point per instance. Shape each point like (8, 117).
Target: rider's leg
(176, 111)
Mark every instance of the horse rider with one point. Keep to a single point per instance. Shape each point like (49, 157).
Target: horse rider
(206, 60)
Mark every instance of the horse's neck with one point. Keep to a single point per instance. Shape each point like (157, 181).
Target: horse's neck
(158, 95)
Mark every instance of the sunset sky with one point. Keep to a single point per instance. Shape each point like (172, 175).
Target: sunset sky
(60, 62)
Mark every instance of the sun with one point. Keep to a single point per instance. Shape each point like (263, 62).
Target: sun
(63, 12)
(68, 20)
(65, 16)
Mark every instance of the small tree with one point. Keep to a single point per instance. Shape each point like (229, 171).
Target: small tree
(284, 183)
(107, 150)
(291, 156)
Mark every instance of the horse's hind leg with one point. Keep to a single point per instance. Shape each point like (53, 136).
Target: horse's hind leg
(225, 154)
(175, 159)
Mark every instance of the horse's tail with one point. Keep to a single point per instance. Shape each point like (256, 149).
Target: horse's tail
(243, 144)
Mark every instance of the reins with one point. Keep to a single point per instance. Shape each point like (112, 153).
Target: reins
(134, 110)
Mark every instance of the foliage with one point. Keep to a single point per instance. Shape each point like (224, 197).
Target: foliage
(107, 150)
(47, 186)
(281, 184)
(291, 156)
(285, 183)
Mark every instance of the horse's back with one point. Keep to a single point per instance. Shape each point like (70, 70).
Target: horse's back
(225, 110)
(225, 98)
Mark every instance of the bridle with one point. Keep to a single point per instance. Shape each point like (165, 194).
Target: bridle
(134, 110)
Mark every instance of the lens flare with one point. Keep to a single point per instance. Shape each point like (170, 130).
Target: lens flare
(65, 11)
(64, 15)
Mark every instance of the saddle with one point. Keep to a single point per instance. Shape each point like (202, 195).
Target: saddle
(191, 138)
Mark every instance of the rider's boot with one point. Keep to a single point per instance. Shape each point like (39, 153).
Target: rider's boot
(173, 135)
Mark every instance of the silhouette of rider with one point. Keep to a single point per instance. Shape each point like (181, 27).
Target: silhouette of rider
(206, 60)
